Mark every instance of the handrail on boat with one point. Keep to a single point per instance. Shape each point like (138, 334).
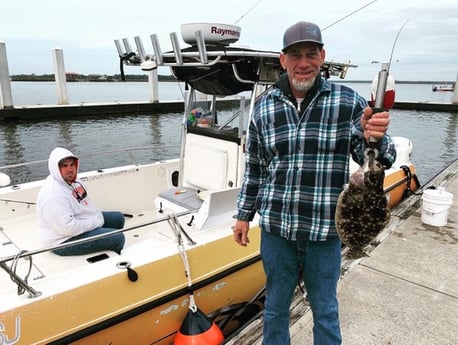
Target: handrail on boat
(90, 239)
(9, 171)
(22, 283)
(128, 150)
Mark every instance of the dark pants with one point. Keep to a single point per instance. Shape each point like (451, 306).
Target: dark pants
(321, 267)
(112, 221)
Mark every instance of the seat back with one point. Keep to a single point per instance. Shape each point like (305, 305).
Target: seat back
(210, 163)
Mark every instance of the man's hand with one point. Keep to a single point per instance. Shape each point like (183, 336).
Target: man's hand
(240, 229)
(374, 125)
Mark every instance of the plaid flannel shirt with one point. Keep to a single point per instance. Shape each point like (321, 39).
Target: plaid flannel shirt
(298, 163)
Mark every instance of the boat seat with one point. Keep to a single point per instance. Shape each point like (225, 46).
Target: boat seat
(185, 198)
(220, 174)
(22, 235)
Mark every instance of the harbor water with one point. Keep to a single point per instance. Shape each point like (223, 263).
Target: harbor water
(434, 134)
(45, 93)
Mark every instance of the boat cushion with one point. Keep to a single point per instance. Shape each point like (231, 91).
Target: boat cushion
(199, 173)
(185, 197)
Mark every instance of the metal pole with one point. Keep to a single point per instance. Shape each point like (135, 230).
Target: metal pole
(6, 98)
(59, 74)
(381, 86)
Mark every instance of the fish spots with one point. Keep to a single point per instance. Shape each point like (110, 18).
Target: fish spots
(362, 209)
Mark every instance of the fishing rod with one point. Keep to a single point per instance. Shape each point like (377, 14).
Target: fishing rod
(379, 103)
(348, 15)
(251, 8)
(396, 40)
(382, 103)
(332, 24)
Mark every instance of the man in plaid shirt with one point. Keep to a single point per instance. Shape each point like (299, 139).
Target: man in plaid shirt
(301, 135)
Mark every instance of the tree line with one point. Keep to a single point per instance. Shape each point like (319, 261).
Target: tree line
(75, 77)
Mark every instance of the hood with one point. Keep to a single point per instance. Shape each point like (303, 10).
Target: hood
(55, 157)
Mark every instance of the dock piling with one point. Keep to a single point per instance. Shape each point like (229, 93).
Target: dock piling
(60, 77)
(6, 97)
(153, 79)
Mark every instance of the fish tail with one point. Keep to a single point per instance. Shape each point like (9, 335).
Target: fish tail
(354, 254)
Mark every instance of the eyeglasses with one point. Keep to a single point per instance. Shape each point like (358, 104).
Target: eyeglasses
(80, 192)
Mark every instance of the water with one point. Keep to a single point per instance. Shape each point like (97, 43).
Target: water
(434, 134)
(45, 93)
(30, 141)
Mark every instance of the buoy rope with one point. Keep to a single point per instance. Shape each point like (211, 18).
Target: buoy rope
(178, 230)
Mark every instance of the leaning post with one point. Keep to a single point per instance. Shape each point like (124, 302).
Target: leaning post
(60, 77)
(6, 96)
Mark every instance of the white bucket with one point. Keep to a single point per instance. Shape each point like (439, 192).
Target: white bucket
(436, 204)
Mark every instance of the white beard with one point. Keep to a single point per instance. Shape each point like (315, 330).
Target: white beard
(303, 86)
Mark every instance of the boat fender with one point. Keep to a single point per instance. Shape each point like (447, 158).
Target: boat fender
(131, 274)
(198, 329)
(4, 180)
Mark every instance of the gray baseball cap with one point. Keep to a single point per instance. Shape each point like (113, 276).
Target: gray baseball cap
(302, 32)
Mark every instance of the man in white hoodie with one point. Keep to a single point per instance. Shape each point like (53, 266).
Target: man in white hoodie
(65, 212)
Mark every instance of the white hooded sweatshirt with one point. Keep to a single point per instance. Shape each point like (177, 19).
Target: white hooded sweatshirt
(62, 214)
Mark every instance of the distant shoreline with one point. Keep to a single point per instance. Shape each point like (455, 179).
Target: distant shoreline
(400, 81)
(74, 77)
(169, 78)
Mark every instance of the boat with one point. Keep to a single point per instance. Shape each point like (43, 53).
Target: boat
(179, 243)
(444, 87)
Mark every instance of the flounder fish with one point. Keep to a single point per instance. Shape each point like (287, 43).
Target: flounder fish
(362, 208)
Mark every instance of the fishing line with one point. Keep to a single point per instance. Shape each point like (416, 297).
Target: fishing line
(348, 15)
(395, 41)
(243, 15)
(384, 74)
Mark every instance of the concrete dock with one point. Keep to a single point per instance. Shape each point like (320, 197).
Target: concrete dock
(404, 293)
(45, 112)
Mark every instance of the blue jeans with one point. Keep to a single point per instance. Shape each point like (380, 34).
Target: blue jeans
(112, 221)
(320, 261)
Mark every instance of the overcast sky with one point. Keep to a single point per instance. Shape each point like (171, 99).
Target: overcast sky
(427, 48)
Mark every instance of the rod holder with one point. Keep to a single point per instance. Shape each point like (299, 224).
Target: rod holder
(157, 49)
(201, 47)
(176, 48)
(119, 48)
(140, 49)
(127, 46)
